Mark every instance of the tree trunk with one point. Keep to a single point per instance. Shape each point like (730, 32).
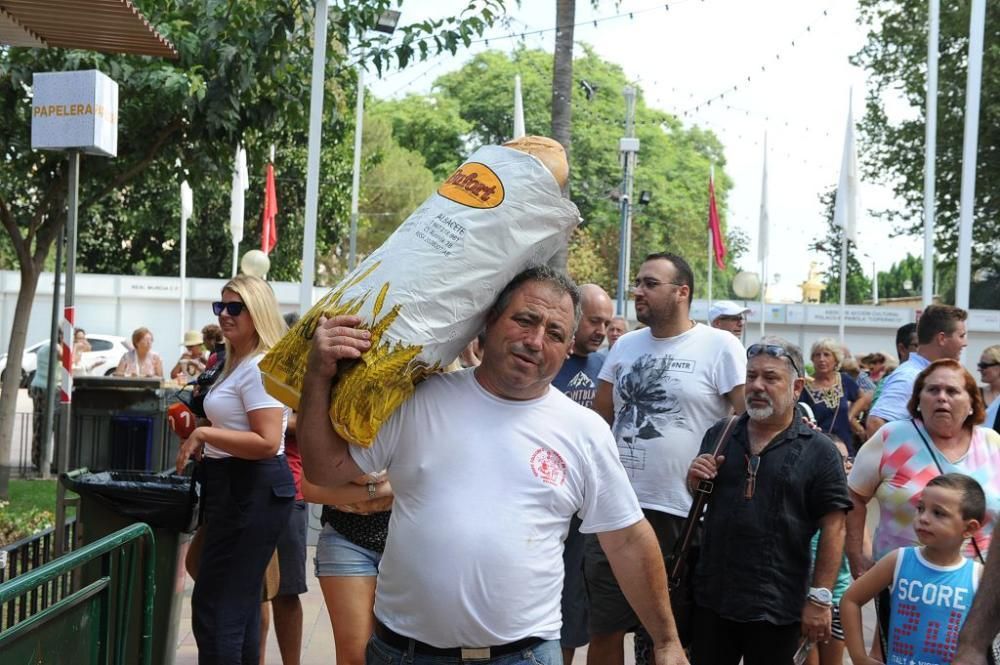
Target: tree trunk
(562, 74)
(562, 95)
(12, 378)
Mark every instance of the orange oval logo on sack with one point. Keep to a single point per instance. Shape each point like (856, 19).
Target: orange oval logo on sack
(474, 185)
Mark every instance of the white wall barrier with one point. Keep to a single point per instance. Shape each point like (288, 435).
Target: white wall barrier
(118, 304)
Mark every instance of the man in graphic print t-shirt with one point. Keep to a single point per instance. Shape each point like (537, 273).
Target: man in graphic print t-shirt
(578, 379)
(661, 388)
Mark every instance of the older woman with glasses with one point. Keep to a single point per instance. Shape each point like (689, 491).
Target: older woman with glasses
(989, 370)
(249, 488)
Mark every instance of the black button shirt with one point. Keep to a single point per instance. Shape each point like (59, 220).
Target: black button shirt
(755, 556)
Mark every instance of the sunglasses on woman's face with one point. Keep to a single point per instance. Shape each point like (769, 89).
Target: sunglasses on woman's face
(232, 308)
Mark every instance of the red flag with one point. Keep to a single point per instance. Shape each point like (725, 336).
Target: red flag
(269, 230)
(715, 228)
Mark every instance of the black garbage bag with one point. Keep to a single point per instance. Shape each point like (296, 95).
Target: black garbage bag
(164, 501)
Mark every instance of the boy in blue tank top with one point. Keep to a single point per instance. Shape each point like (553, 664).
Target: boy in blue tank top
(932, 586)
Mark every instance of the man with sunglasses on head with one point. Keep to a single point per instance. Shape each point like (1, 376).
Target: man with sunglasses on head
(775, 483)
(660, 389)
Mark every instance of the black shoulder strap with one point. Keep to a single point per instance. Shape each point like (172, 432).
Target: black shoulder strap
(700, 501)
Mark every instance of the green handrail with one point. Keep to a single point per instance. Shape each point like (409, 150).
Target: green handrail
(52, 570)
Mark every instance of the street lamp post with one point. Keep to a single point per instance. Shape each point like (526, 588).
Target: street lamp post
(387, 24)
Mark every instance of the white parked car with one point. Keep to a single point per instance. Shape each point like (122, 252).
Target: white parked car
(101, 360)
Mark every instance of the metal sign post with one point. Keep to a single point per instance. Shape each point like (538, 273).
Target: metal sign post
(76, 112)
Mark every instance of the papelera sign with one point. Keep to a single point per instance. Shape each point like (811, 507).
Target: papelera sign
(75, 111)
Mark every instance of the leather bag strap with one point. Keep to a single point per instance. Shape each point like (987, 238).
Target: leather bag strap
(698, 504)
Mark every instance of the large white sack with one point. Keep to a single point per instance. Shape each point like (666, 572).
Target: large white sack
(425, 292)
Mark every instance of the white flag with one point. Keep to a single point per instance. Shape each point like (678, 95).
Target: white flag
(241, 183)
(763, 244)
(187, 201)
(518, 109)
(845, 211)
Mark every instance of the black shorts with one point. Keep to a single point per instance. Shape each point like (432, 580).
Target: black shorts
(575, 608)
(292, 551)
(610, 612)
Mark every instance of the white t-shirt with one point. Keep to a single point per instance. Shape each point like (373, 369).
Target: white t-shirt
(667, 393)
(485, 489)
(233, 396)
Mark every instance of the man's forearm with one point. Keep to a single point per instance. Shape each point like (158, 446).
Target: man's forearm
(983, 622)
(830, 552)
(872, 425)
(637, 563)
(855, 538)
(323, 451)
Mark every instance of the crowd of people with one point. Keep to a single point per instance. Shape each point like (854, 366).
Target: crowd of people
(531, 501)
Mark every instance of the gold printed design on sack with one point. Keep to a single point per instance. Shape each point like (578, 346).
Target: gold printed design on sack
(367, 390)
(474, 185)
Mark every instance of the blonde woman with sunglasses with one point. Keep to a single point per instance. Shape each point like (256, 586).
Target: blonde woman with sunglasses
(249, 489)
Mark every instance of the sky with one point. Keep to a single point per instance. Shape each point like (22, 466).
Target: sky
(783, 66)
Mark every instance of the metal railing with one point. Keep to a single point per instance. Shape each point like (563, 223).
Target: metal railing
(88, 624)
(22, 557)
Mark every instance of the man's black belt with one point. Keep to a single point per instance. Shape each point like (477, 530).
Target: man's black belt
(407, 644)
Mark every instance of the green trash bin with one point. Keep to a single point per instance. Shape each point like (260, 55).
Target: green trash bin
(112, 500)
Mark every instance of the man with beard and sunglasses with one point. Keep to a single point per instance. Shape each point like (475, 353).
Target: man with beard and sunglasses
(774, 484)
(660, 389)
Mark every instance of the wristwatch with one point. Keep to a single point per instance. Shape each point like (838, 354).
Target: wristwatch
(373, 495)
(820, 596)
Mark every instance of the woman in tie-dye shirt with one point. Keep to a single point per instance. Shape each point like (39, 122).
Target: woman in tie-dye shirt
(895, 465)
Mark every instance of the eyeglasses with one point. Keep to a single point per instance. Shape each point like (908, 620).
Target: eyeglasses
(649, 284)
(985, 366)
(753, 463)
(728, 317)
(774, 351)
(232, 308)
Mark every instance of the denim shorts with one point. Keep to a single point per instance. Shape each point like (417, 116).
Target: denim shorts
(338, 557)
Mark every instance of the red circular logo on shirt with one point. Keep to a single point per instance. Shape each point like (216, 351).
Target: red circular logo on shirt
(549, 466)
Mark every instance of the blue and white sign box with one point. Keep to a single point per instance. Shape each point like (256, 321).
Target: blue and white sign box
(75, 111)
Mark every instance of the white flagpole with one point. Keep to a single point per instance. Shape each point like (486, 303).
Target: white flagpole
(977, 22)
(316, 86)
(763, 241)
(930, 151)
(874, 284)
(518, 108)
(843, 284)
(187, 206)
(711, 248)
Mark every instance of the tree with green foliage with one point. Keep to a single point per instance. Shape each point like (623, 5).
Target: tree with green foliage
(895, 58)
(396, 182)
(673, 164)
(892, 282)
(430, 125)
(858, 287)
(242, 76)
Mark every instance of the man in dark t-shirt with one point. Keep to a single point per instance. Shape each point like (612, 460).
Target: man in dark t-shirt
(578, 379)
